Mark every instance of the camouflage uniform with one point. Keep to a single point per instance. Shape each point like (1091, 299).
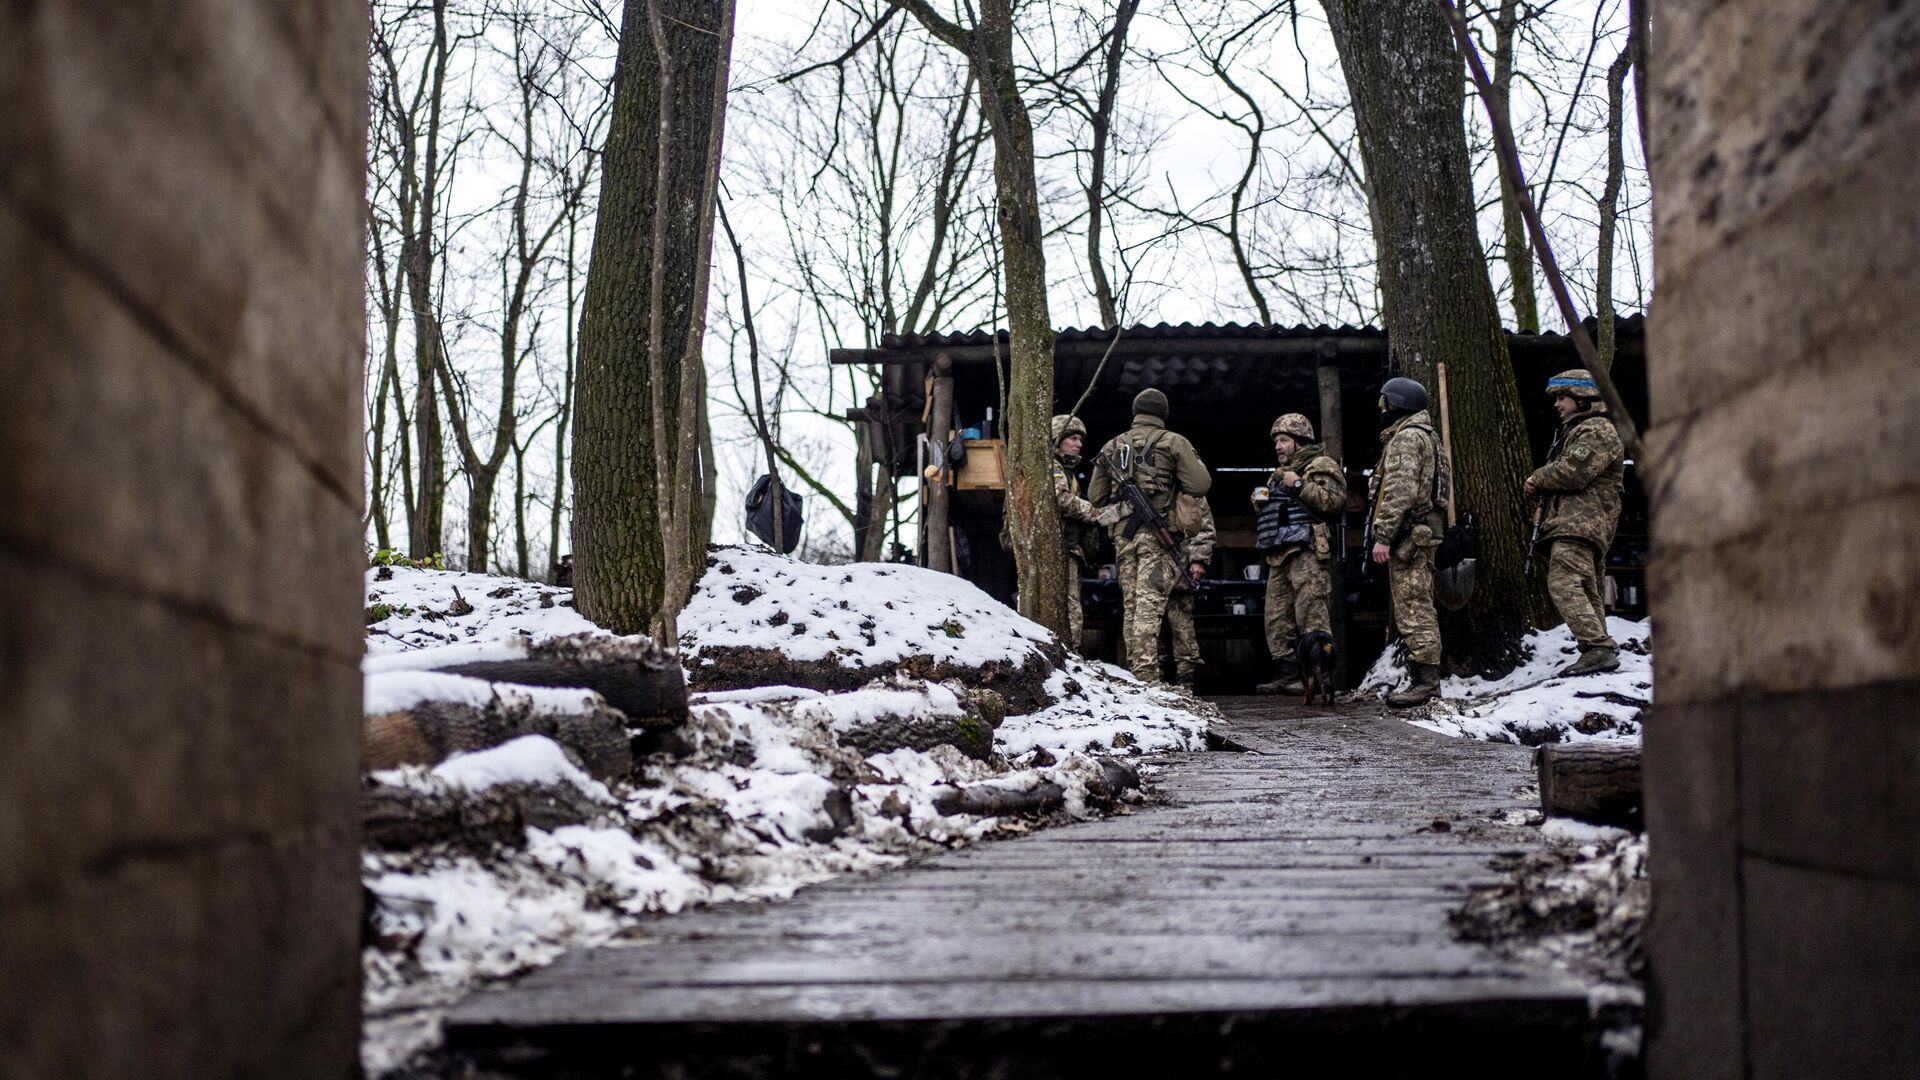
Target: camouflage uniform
(1582, 481)
(1164, 465)
(1077, 520)
(1197, 547)
(1406, 520)
(1299, 576)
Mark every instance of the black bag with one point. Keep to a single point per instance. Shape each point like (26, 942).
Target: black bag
(760, 515)
(1457, 545)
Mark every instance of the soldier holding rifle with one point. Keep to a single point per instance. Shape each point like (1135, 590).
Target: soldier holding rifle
(1146, 468)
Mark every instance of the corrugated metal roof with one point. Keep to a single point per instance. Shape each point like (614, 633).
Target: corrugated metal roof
(1630, 326)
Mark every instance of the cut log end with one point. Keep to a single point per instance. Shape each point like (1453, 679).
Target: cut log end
(1597, 782)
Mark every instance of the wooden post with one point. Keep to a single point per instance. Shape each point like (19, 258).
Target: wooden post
(1332, 439)
(939, 553)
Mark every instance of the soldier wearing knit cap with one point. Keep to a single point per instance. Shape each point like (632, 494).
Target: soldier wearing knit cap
(1164, 465)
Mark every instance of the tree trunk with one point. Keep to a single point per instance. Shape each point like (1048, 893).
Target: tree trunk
(621, 523)
(1405, 81)
(1102, 123)
(1519, 253)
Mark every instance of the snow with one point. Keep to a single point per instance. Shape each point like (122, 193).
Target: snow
(1574, 831)
(392, 691)
(418, 606)
(762, 799)
(861, 614)
(529, 759)
(1530, 704)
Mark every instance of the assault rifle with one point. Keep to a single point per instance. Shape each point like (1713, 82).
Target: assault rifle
(1141, 513)
(1540, 510)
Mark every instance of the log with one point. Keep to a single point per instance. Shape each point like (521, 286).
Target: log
(395, 818)
(988, 800)
(432, 731)
(968, 732)
(634, 675)
(1594, 781)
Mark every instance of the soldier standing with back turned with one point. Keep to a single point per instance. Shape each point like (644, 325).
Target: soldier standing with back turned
(1164, 466)
(1406, 526)
(1290, 532)
(1581, 484)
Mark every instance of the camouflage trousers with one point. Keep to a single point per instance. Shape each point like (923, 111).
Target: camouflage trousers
(1410, 585)
(1573, 580)
(1147, 581)
(1298, 588)
(1186, 640)
(1076, 621)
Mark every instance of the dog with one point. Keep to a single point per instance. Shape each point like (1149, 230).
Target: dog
(1317, 655)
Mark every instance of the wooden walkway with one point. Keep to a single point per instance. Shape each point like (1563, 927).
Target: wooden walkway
(1286, 908)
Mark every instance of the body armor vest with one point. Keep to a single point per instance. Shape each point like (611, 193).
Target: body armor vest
(1283, 521)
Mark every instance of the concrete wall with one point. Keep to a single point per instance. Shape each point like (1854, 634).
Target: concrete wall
(180, 360)
(1783, 761)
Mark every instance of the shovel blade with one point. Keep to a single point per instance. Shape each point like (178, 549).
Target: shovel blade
(1453, 587)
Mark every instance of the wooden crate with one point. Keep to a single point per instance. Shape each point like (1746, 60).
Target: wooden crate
(985, 469)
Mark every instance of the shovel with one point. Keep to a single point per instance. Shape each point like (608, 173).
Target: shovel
(1453, 586)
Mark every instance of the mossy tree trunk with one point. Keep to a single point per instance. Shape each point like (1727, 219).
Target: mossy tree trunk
(1405, 81)
(1039, 552)
(641, 510)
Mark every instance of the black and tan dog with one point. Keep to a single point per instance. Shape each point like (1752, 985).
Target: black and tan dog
(1317, 655)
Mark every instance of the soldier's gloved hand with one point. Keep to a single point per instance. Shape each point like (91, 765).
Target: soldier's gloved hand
(1110, 516)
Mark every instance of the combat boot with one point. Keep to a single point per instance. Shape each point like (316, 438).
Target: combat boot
(1425, 685)
(1593, 661)
(1286, 680)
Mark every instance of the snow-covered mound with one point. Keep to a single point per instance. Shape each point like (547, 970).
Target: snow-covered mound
(411, 609)
(1531, 705)
(764, 790)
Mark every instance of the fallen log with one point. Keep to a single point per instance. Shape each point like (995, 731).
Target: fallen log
(990, 800)
(1597, 782)
(966, 732)
(634, 675)
(429, 732)
(398, 818)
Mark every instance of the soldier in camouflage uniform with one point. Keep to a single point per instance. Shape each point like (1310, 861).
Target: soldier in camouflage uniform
(1164, 465)
(1292, 537)
(1406, 526)
(1581, 484)
(1078, 517)
(1192, 523)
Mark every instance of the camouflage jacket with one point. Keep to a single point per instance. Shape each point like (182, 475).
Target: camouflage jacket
(1583, 480)
(1162, 462)
(1076, 514)
(1403, 481)
(1323, 490)
(1195, 513)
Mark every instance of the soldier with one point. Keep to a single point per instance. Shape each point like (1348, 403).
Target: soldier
(1078, 517)
(1164, 465)
(1406, 525)
(1291, 534)
(1192, 520)
(1580, 488)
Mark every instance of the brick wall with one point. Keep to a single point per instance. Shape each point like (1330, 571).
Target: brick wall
(1783, 760)
(180, 362)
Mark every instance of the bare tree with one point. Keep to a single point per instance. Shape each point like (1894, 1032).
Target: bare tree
(640, 511)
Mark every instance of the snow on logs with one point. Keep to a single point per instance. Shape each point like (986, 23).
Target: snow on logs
(1592, 781)
(592, 695)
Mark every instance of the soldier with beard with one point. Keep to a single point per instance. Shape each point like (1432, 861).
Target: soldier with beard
(1291, 534)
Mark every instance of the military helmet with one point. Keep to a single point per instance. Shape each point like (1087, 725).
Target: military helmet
(1063, 426)
(1151, 402)
(1404, 395)
(1576, 383)
(1293, 424)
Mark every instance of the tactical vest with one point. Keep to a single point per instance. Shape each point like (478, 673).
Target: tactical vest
(1283, 521)
(1137, 456)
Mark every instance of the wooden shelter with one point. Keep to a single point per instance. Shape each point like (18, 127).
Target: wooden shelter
(1226, 384)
